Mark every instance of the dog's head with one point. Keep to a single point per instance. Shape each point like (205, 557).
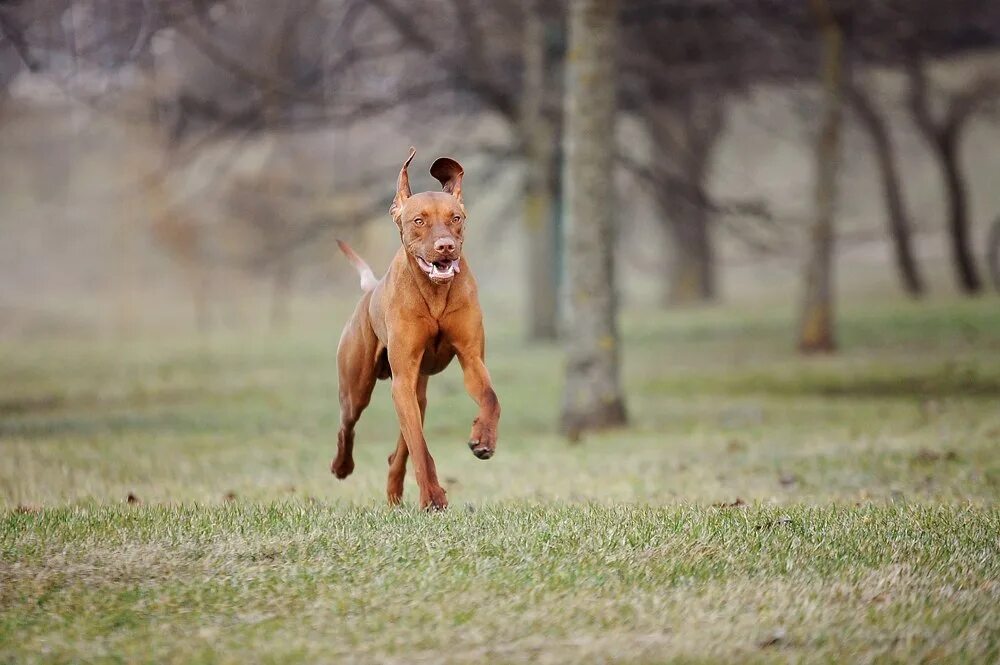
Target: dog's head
(431, 224)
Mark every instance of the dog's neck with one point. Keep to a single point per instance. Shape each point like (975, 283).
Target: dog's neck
(435, 295)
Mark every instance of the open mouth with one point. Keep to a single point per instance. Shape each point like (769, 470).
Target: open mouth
(439, 271)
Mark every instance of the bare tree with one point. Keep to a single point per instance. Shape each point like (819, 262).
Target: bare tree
(280, 215)
(993, 253)
(679, 89)
(816, 329)
(897, 217)
(943, 134)
(592, 396)
(685, 129)
(539, 129)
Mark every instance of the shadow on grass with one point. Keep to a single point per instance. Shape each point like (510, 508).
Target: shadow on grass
(18, 406)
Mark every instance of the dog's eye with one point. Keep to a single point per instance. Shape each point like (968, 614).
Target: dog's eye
(456, 219)
(418, 222)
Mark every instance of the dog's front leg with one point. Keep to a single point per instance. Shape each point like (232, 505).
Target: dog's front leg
(483, 439)
(397, 459)
(405, 364)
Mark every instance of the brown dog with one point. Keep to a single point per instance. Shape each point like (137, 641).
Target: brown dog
(409, 325)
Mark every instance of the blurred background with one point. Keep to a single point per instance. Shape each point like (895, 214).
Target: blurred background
(192, 161)
(183, 167)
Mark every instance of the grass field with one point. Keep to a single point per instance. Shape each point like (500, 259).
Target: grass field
(761, 506)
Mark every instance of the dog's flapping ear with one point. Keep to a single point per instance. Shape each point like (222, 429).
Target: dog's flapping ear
(402, 188)
(449, 173)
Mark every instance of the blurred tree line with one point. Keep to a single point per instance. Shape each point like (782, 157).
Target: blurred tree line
(558, 74)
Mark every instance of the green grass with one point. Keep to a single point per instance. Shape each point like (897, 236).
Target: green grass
(517, 581)
(760, 507)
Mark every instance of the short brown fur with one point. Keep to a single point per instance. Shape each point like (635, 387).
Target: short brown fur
(409, 325)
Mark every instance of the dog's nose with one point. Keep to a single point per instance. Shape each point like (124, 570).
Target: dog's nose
(444, 245)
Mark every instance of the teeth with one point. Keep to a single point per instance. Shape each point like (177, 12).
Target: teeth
(436, 271)
(433, 270)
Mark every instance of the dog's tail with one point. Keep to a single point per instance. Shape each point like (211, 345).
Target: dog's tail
(368, 280)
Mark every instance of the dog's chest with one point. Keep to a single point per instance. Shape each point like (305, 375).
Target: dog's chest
(437, 354)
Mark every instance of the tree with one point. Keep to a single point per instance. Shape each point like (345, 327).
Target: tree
(816, 332)
(678, 88)
(993, 253)
(592, 396)
(943, 135)
(684, 130)
(539, 128)
(897, 217)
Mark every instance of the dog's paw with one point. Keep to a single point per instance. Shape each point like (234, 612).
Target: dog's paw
(482, 449)
(435, 499)
(342, 467)
(394, 485)
(483, 440)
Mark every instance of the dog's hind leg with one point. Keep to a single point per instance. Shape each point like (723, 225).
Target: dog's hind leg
(397, 459)
(356, 368)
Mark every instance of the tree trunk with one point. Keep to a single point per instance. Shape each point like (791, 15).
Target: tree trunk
(816, 322)
(684, 130)
(958, 214)
(593, 396)
(691, 277)
(943, 136)
(538, 213)
(896, 214)
(993, 253)
(690, 264)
